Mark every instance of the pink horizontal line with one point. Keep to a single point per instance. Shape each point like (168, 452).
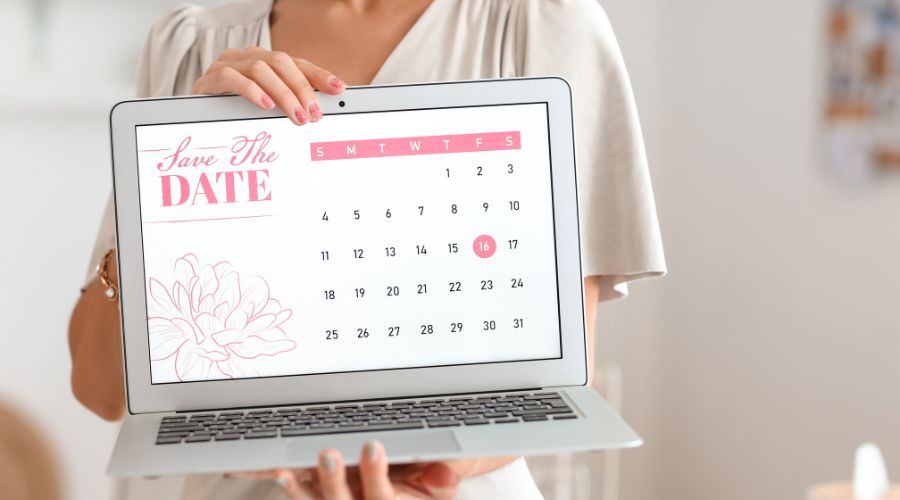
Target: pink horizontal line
(407, 146)
(154, 150)
(212, 147)
(206, 220)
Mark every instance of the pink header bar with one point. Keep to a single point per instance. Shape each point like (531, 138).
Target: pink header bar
(408, 146)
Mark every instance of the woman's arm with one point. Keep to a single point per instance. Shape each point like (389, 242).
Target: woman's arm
(95, 345)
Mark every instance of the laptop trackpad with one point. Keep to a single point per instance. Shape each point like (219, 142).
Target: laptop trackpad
(396, 444)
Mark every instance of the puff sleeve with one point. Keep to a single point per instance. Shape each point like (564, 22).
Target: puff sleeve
(620, 234)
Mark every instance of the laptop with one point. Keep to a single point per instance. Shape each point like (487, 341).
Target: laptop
(405, 270)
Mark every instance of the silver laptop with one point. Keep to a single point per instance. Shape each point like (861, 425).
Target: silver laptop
(405, 270)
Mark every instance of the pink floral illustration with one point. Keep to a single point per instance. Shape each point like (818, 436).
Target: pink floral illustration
(212, 321)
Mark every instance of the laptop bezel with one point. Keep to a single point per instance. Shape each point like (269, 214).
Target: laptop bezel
(569, 370)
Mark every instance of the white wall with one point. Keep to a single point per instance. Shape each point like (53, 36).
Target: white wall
(58, 82)
(48, 204)
(778, 332)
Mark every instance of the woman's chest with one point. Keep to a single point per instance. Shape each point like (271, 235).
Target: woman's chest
(352, 45)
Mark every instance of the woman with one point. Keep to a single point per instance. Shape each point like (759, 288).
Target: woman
(277, 53)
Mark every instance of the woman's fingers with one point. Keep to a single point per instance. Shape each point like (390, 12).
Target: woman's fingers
(373, 473)
(294, 486)
(265, 76)
(333, 476)
(224, 79)
(268, 78)
(440, 481)
(293, 483)
(287, 69)
(320, 78)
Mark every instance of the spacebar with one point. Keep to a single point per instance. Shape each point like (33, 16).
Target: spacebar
(340, 430)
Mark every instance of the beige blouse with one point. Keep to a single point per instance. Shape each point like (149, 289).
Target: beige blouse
(472, 39)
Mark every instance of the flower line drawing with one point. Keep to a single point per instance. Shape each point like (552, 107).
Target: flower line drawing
(212, 321)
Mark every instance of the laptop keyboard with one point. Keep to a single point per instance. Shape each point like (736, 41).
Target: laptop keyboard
(496, 409)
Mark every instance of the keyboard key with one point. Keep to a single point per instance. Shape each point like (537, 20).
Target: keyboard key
(230, 436)
(261, 434)
(506, 420)
(444, 423)
(178, 428)
(476, 421)
(564, 417)
(179, 434)
(534, 418)
(168, 440)
(198, 439)
(542, 411)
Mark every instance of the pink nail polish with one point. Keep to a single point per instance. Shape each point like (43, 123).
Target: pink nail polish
(315, 111)
(337, 82)
(301, 115)
(267, 101)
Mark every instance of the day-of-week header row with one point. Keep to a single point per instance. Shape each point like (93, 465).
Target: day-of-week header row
(409, 146)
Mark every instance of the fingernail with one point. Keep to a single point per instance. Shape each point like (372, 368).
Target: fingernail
(281, 481)
(267, 101)
(336, 82)
(315, 111)
(371, 450)
(328, 463)
(301, 115)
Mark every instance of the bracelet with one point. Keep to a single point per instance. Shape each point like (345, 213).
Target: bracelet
(112, 291)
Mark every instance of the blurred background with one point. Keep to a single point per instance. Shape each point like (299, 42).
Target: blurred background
(753, 370)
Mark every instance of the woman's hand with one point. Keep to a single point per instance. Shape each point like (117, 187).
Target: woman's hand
(371, 480)
(266, 78)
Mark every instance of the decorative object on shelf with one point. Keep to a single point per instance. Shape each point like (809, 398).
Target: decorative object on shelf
(863, 95)
(870, 480)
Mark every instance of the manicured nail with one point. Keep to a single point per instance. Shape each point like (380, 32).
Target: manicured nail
(301, 115)
(336, 82)
(371, 450)
(281, 481)
(328, 463)
(267, 101)
(315, 111)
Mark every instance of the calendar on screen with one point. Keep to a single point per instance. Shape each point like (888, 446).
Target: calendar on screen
(366, 241)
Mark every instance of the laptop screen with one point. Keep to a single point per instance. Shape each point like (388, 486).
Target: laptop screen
(366, 241)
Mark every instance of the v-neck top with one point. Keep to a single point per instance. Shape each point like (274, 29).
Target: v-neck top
(460, 40)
